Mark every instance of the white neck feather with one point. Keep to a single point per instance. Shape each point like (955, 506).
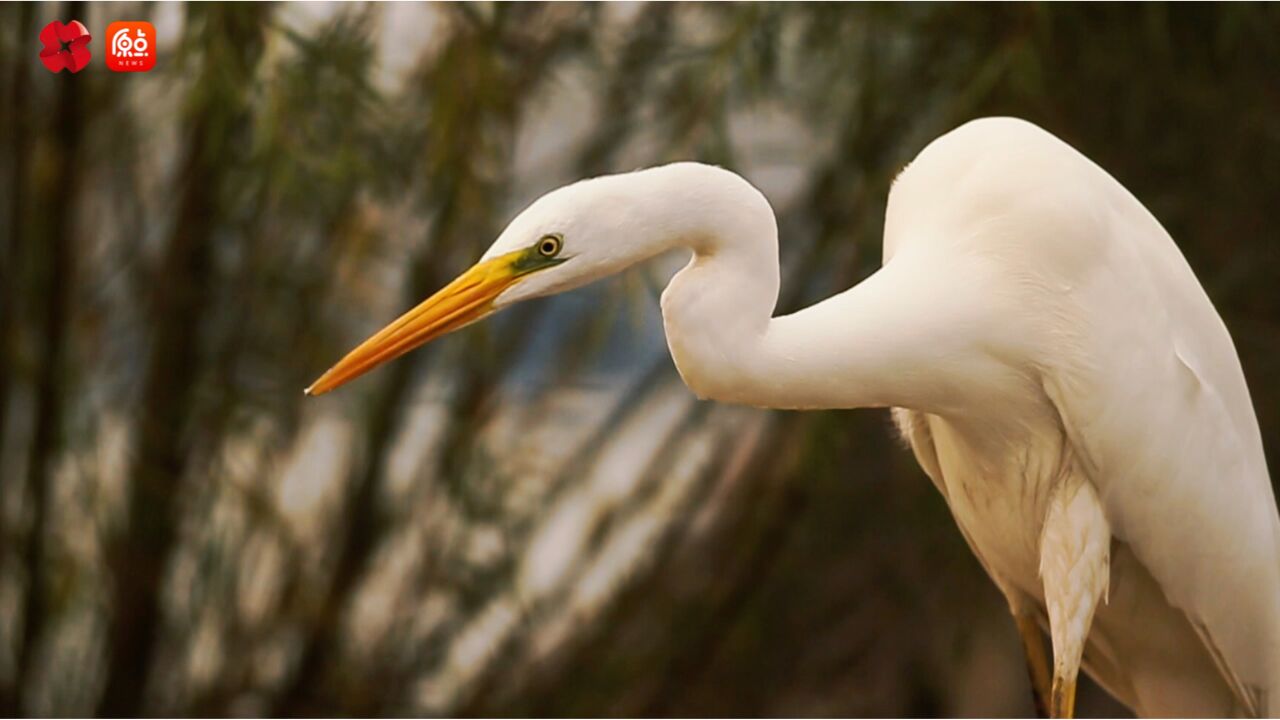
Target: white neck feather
(718, 310)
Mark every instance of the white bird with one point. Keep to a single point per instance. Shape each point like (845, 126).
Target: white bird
(1061, 375)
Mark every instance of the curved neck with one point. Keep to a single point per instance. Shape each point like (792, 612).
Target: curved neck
(717, 307)
(874, 345)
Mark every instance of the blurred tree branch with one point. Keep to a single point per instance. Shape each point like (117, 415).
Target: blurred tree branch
(464, 143)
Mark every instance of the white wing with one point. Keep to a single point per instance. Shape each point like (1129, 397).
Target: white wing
(1161, 415)
(1139, 367)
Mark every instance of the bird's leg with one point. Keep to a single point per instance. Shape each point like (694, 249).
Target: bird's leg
(1075, 567)
(1037, 660)
(1063, 703)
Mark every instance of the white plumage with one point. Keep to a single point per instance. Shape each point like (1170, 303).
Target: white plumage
(1139, 390)
(1058, 370)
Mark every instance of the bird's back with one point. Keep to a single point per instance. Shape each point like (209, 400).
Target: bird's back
(1093, 303)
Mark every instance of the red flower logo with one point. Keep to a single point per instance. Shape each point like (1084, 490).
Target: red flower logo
(65, 46)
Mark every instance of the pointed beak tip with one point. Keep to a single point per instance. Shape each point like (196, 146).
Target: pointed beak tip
(465, 300)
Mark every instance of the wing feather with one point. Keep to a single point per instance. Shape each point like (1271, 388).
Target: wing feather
(1152, 396)
(1091, 299)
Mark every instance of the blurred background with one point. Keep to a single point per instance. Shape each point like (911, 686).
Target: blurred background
(534, 516)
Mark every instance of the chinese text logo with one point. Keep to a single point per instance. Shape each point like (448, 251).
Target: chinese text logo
(131, 46)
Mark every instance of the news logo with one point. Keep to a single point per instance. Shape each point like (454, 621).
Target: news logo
(131, 46)
(66, 47)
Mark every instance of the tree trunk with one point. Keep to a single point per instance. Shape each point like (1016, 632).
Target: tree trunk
(52, 263)
(160, 445)
(16, 129)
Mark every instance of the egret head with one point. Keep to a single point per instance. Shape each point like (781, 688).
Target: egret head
(565, 239)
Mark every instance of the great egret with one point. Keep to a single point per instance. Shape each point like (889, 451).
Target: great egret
(1058, 370)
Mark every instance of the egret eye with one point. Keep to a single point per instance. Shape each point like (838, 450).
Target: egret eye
(549, 245)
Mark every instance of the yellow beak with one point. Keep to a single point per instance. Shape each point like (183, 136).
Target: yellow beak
(462, 302)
